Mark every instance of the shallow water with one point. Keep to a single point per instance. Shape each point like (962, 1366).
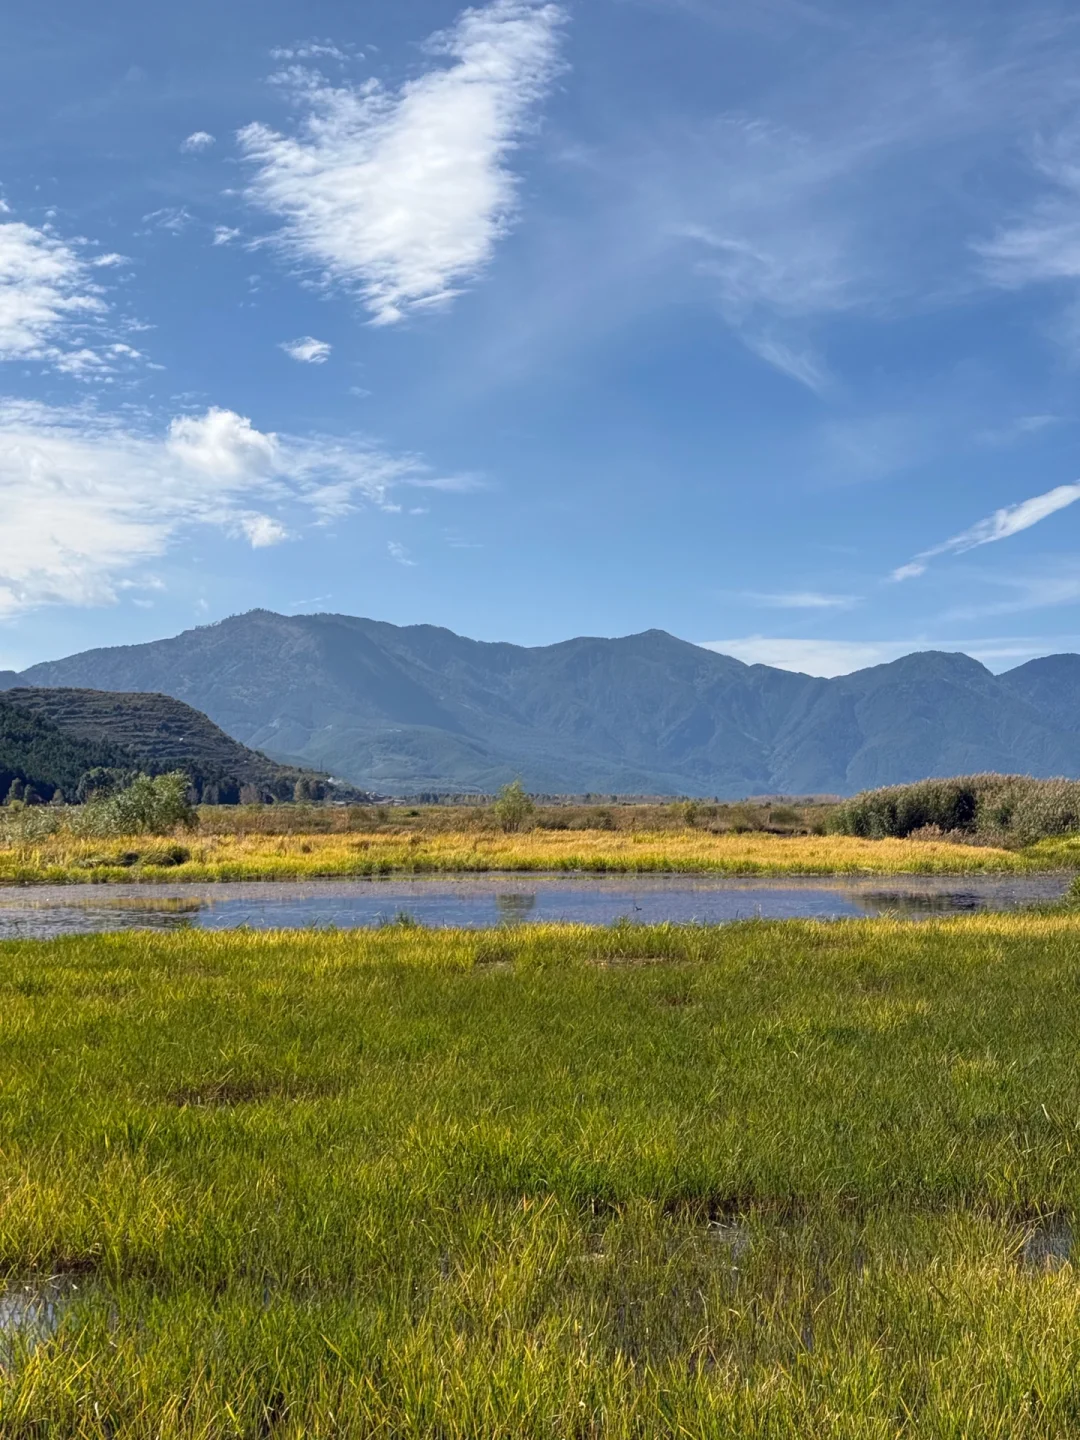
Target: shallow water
(30, 1313)
(43, 912)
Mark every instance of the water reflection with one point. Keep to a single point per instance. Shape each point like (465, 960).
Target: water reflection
(515, 909)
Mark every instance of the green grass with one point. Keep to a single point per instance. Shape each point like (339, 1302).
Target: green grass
(767, 1180)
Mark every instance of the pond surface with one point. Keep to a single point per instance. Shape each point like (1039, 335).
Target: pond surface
(42, 912)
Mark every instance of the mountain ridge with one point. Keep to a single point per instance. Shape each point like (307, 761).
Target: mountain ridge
(402, 709)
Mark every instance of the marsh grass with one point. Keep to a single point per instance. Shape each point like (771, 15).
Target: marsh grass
(779, 1180)
(65, 858)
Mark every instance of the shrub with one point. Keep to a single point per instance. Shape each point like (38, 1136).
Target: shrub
(513, 807)
(150, 805)
(1011, 809)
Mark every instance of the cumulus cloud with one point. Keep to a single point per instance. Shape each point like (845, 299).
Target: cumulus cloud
(200, 140)
(307, 349)
(45, 294)
(86, 497)
(401, 195)
(1002, 524)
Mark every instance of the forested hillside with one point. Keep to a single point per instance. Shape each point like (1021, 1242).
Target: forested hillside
(35, 752)
(51, 738)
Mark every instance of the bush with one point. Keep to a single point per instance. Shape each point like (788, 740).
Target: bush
(1010, 809)
(513, 807)
(150, 805)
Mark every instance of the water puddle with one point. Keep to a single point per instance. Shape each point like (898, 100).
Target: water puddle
(30, 1314)
(1047, 1245)
(733, 1237)
(42, 912)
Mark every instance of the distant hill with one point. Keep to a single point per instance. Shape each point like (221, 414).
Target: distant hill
(406, 709)
(53, 736)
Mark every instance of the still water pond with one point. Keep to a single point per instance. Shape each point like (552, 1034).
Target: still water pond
(470, 901)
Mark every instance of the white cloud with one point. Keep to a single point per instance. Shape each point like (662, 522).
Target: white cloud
(911, 571)
(1045, 245)
(1057, 586)
(45, 295)
(200, 140)
(1018, 429)
(401, 196)
(828, 658)
(225, 234)
(811, 657)
(799, 600)
(170, 217)
(399, 553)
(1002, 524)
(307, 349)
(846, 184)
(262, 530)
(310, 50)
(87, 498)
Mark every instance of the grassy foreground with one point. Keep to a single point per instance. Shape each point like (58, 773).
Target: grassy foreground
(63, 858)
(779, 1180)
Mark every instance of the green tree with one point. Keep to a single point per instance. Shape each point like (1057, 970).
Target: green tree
(513, 807)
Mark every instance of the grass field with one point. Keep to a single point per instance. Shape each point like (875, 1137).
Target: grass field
(206, 857)
(783, 1180)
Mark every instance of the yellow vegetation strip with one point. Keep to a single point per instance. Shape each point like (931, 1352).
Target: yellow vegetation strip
(65, 859)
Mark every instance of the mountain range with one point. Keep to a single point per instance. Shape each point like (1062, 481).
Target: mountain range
(405, 709)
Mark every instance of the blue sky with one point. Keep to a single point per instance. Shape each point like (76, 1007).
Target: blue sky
(759, 324)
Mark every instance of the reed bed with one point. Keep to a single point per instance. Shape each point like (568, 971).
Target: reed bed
(65, 858)
(776, 1180)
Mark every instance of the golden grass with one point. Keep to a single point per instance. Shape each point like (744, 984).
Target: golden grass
(62, 858)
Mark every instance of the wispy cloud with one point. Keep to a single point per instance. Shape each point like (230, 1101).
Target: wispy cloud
(828, 658)
(1058, 586)
(399, 553)
(1044, 244)
(198, 141)
(307, 349)
(87, 497)
(170, 217)
(810, 657)
(309, 50)
(402, 195)
(842, 189)
(1002, 524)
(1021, 428)
(799, 600)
